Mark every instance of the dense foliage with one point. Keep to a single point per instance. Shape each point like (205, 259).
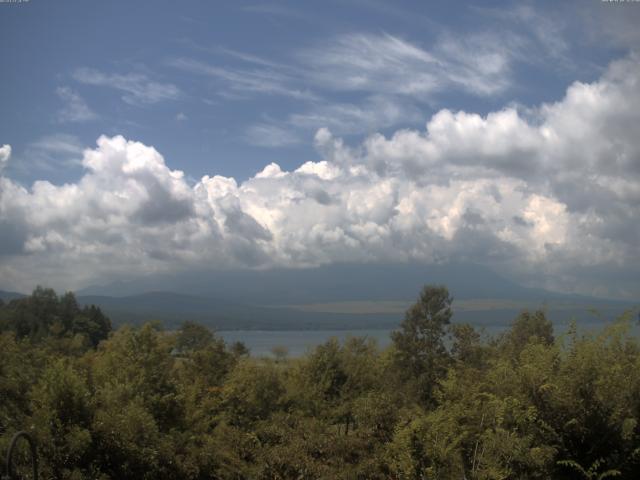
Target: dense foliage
(442, 402)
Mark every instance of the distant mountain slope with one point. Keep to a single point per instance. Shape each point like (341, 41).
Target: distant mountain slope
(8, 296)
(332, 297)
(333, 283)
(173, 309)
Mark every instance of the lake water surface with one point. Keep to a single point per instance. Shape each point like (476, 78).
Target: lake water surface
(299, 342)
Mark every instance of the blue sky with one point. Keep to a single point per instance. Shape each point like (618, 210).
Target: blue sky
(317, 132)
(241, 84)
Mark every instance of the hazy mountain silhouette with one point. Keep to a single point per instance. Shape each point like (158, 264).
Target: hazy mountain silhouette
(8, 296)
(272, 299)
(243, 299)
(332, 283)
(172, 309)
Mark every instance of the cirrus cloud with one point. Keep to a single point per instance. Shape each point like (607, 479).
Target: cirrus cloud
(75, 108)
(137, 88)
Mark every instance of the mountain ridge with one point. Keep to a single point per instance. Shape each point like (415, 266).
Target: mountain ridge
(344, 296)
(338, 282)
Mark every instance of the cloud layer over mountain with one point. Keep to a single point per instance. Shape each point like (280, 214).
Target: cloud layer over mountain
(550, 194)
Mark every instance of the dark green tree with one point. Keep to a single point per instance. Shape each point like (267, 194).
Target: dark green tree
(420, 352)
(192, 337)
(467, 346)
(526, 328)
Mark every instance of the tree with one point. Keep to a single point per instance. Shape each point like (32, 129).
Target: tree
(528, 328)
(192, 337)
(239, 350)
(252, 392)
(62, 417)
(420, 350)
(44, 315)
(280, 353)
(467, 345)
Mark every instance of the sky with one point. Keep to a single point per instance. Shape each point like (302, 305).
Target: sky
(150, 137)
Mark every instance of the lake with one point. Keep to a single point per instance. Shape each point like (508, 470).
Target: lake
(299, 342)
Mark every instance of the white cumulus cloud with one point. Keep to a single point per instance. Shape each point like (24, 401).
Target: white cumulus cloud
(550, 195)
(5, 155)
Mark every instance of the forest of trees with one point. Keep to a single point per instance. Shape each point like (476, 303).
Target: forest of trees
(442, 402)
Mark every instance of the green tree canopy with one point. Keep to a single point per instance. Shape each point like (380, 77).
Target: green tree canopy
(420, 351)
